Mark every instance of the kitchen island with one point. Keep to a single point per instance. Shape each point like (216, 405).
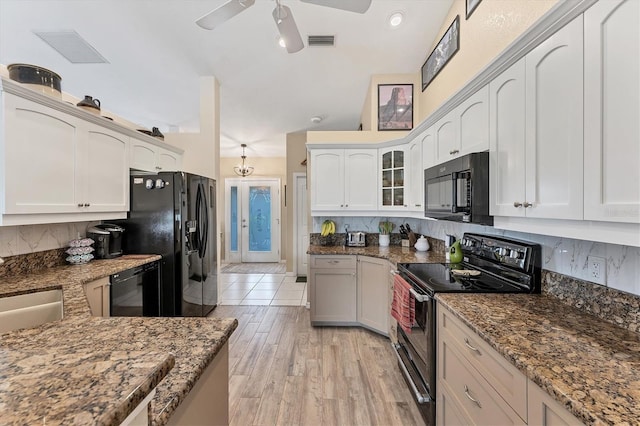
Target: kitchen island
(591, 367)
(92, 370)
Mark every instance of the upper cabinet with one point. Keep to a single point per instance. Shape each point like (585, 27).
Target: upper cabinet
(612, 111)
(393, 178)
(416, 176)
(57, 163)
(151, 158)
(536, 131)
(343, 179)
(465, 129)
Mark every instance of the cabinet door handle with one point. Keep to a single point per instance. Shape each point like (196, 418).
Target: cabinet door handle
(87, 204)
(80, 204)
(473, 348)
(466, 392)
(418, 205)
(455, 151)
(346, 205)
(527, 204)
(341, 205)
(517, 204)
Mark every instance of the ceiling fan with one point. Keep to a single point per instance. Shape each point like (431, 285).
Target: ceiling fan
(281, 14)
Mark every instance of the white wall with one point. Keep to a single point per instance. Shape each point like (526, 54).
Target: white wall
(563, 255)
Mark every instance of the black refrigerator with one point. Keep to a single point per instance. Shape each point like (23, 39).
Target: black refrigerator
(174, 214)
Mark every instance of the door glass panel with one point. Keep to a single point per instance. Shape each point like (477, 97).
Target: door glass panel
(234, 218)
(398, 197)
(386, 178)
(398, 159)
(386, 197)
(259, 218)
(386, 160)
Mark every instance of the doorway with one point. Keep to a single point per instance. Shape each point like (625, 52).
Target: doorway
(253, 220)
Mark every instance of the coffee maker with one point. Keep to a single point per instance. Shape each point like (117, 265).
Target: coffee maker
(107, 239)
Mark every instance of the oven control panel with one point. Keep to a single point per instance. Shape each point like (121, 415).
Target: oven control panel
(507, 252)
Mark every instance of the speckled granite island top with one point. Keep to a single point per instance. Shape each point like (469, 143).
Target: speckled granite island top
(588, 365)
(394, 254)
(90, 370)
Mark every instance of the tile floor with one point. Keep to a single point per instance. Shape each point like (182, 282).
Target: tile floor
(261, 289)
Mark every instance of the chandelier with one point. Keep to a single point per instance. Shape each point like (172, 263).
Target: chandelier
(243, 170)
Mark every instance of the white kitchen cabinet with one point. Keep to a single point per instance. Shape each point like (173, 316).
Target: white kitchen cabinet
(152, 158)
(343, 179)
(554, 126)
(393, 178)
(612, 111)
(393, 323)
(465, 129)
(415, 185)
(332, 287)
(429, 150)
(57, 163)
(98, 297)
(373, 308)
(537, 172)
(507, 141)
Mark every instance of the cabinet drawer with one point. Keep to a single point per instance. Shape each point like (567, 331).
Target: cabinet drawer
(506, 379)
(333, 262)
(471, 392)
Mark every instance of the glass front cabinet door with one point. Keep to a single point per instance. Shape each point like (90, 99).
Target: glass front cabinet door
(393, 178)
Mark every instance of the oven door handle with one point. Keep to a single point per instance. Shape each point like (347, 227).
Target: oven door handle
(421, 398)
(419, 297)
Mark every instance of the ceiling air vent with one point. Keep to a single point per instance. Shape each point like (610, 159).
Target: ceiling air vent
(72, 46)
(321, 40)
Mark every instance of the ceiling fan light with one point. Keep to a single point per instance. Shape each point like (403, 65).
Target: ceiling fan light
(396, 19)
(281, 42)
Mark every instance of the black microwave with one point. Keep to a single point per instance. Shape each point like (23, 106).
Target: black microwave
(458, 190)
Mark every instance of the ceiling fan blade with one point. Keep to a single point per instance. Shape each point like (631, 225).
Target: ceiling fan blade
(358, 6)
(288, 29)
(223, 13)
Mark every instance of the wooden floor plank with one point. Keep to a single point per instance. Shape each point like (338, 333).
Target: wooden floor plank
(295, 374)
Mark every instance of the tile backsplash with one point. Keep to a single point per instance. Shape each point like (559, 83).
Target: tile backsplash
(25, 239)
(563, 255)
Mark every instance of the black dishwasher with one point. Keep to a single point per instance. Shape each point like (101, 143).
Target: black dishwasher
(135, 292)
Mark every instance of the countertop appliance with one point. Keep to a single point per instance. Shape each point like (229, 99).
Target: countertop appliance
(356, 239)
(458, 190)
(491, 264)
(107, 239)
(135, 292)
(174, 214)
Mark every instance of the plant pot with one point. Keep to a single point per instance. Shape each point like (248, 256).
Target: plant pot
(383, 240)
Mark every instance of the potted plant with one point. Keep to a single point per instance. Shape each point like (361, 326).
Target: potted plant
(385, 229)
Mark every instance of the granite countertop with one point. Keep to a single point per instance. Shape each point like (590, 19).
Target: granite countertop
(92, 370)
(394, 254)
(590, 366)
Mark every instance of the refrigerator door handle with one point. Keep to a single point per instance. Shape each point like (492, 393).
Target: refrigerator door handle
(205, 210)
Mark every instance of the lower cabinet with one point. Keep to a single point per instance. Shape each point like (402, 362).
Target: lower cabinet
(350, 290)
(546, 411)
(373, 293)
(97, 293)
(476, 385)
(332, 287)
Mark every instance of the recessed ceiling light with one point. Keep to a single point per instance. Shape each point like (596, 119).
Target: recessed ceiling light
(396, 19)
(316, 119)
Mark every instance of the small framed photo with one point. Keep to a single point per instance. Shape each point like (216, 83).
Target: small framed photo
(446, 48)
(395, 106)
(471, 6)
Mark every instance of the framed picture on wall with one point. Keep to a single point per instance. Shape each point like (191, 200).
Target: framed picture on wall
(395, 106)
(471, 6)
(446, 48)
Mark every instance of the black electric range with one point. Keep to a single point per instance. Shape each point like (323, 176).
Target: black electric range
(491, 264)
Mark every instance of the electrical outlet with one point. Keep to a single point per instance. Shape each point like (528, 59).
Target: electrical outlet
(597, 269)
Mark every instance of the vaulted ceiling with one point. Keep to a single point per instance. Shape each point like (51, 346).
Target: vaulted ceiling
(156, 53)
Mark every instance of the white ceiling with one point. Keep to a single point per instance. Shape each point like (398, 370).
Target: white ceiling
(156, 53)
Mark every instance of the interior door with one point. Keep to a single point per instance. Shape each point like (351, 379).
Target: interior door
(260, 220)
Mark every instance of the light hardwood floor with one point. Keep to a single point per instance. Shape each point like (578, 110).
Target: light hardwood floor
(282, 371)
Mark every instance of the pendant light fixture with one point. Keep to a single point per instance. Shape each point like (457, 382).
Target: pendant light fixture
(243, 170)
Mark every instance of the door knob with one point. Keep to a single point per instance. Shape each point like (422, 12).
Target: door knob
(517, 204)
(527, 204)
